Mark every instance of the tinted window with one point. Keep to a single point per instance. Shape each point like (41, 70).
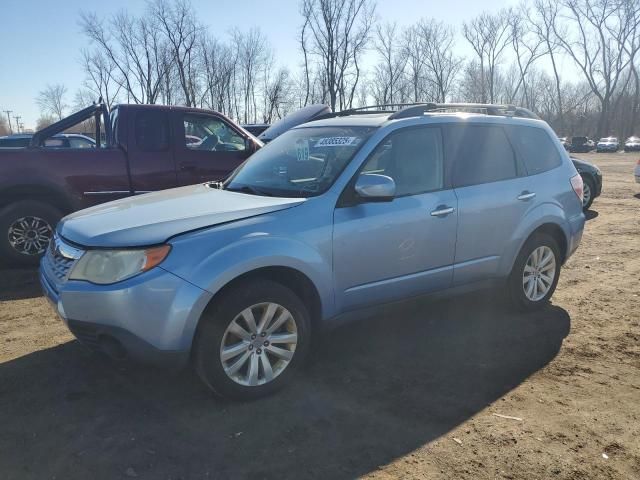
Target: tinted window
(480, 154)
(14, 142)
(538, 152)
(413, 158)
(210, 134)
(152, 131)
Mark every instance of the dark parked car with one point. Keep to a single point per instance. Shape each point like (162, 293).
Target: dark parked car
(632, 144)
(60, 140)
(146, 148)
(565, 142)
(581, 145)
(591, 179)
(256, 128)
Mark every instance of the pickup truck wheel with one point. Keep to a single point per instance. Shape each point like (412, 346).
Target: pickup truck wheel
(252, 340)
(25, 230)
(535, 273)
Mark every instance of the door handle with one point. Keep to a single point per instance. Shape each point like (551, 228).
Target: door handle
(442, 211)
(526, 195)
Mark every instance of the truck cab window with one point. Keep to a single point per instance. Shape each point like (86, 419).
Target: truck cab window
(211, 134)
(152, 131)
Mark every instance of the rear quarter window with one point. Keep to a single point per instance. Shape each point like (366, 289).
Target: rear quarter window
(152, 131)
(535, 147)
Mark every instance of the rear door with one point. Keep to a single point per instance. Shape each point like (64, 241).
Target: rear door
(207, 147)
(151, 162)
(493, 196)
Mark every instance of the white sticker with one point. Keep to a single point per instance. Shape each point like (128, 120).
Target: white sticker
(302, 150)
(336, 141)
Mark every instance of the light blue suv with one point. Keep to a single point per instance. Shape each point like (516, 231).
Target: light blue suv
(350, 211)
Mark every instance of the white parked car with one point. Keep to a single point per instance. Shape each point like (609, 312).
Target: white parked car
(608, 144)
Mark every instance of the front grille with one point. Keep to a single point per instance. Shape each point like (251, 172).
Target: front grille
(59, 260)
(58, 266)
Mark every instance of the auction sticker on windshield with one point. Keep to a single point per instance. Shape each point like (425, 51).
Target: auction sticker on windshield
(337, 142)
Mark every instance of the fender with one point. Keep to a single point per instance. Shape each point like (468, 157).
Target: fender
(542, 214)
(38, 189)
(222, 266)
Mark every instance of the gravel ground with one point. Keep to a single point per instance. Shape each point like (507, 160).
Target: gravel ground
(458, 388)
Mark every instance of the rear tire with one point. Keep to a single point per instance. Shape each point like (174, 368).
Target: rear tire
(26, 227)
(225, 340)
(535, 274)
(589, 191)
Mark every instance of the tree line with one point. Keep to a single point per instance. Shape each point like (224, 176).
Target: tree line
(573, 62)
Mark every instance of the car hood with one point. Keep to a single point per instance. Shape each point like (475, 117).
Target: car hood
(155, 217)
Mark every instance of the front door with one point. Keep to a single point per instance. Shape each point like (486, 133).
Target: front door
(207, 148)
(384, 251)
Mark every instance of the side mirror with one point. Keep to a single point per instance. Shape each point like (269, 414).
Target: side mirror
(375, 188)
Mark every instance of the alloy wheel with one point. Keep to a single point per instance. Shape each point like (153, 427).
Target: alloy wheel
(30, 235)
(259, 344)
(539, 273)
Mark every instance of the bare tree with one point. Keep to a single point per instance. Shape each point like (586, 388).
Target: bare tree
(489, 36)
(100, 76)
(338, 32)
(252, 53)
(51, 100)
(135, 49)
(602, 30)
(441, 65)
(4, 126)
(542, 25)
(389, 72)
(178, 24)
(527, 48)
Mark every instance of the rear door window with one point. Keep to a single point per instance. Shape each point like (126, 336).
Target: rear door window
(535, 147)
(480, 154)
(152, 131)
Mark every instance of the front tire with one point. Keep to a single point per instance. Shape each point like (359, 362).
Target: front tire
(252, 340)
(26, 228)
(535, 274)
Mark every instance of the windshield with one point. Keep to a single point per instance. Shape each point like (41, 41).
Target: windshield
(303, 162)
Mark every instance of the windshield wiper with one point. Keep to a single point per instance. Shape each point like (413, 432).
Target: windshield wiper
(249, 189)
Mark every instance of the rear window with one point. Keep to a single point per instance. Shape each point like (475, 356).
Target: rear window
(480, 154)
(536, 148)
(152, 131)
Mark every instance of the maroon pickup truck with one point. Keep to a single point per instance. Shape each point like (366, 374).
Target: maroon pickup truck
(145, 148)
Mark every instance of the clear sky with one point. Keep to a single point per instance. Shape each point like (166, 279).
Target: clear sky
(40, 40)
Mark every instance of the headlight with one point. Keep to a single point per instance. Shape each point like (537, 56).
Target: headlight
(111, 266)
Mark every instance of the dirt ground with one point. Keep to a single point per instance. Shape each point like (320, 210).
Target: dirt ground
(413, 393)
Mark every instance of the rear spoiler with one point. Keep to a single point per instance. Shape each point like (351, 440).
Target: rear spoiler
(97, 110)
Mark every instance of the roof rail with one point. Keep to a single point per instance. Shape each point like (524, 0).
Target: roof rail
(485, 108)
(408, 110)
(369, 109)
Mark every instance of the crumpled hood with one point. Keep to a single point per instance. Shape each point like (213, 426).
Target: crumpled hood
(155, 217)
